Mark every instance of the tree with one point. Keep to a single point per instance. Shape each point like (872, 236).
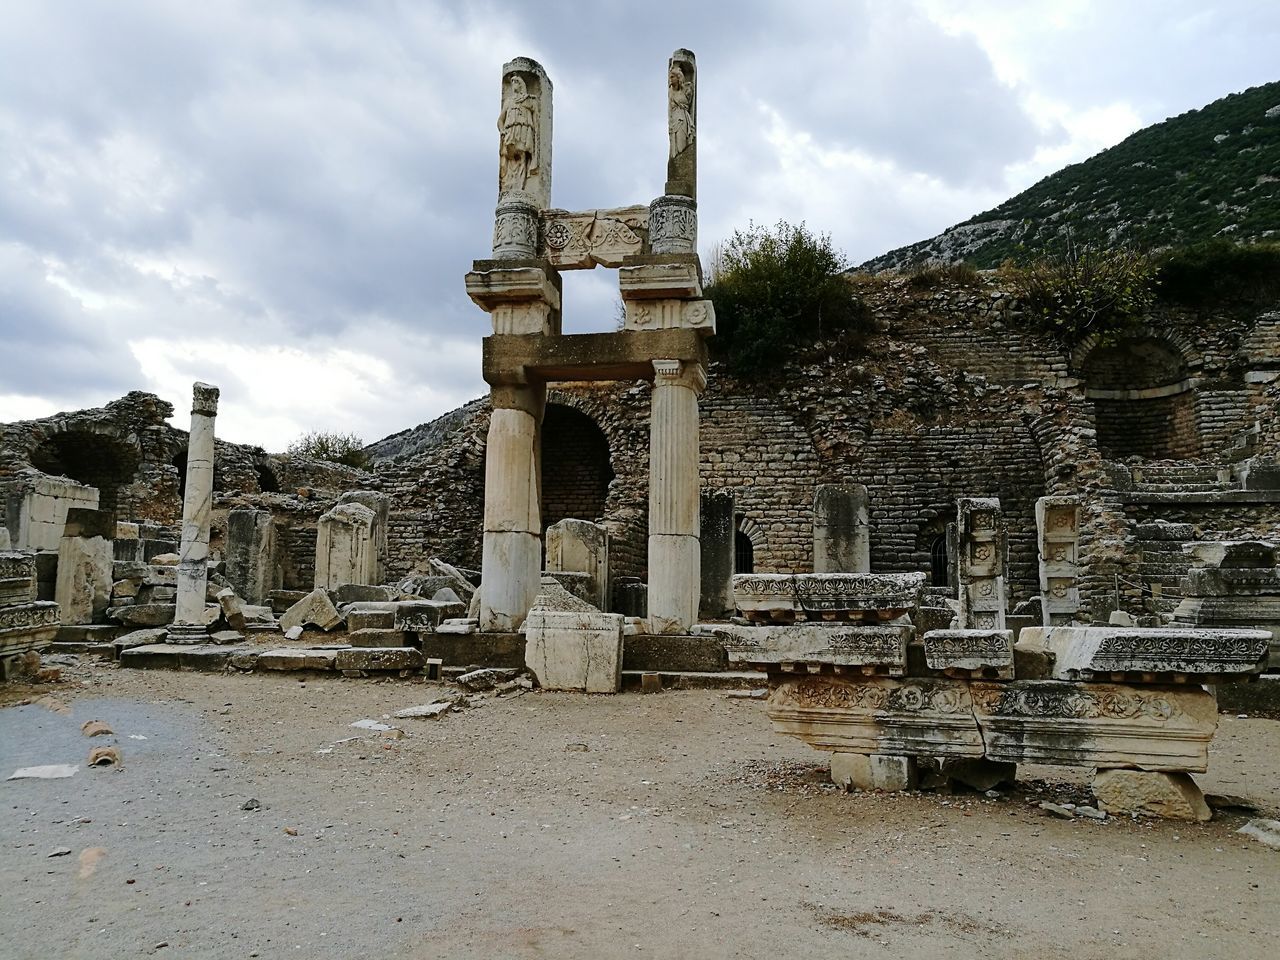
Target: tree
(345, 448)
(775, 288)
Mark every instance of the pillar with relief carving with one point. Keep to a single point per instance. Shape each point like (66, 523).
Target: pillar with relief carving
(674, 553)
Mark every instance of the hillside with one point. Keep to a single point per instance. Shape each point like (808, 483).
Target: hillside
(1212, 172)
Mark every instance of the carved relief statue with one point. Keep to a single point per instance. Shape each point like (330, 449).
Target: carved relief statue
(517, 124)
(679, 110)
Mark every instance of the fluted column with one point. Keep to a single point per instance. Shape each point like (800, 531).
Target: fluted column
(193, 555)
(511, 566)
(674, 558)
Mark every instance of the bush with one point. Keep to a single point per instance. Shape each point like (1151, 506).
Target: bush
(345, 448)
(928, 275)
(774, 289)
(1217, 271)
(1084, 291)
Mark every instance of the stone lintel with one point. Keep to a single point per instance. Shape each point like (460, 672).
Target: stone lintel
(511, 359)
(1086, 653)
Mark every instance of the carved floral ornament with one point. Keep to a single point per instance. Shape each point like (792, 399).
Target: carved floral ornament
(28, 616)
(944, 697)
(1073, 702)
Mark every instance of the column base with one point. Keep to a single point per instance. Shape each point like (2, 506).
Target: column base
(187, 633)
(511, 572)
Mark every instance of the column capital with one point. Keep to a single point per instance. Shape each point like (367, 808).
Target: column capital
(204, 399)
(680, 373)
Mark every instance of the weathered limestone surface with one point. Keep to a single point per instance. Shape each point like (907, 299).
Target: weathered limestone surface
(1086, 653)
(970, 651)
(197, 506)
(253, 566)
(315, 608)
(520, 297)
(26, 624)
(1096, 724)
(841, 529)
(575, 241)
(1172, 795)
(1058, 528)
(674, 551)
(351, 540)
(981, 557)
(717, 543)
(580, 546)
(834, 644)
(570, 645)
(85, 564)
(682, 125)
(783, 596)
(524, 158)
(1234, 584)
(36, 509)
(873, 771)
(933, 717)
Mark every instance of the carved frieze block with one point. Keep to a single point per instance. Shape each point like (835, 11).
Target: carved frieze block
(821, 596)
(575, 241)
(987, 652)
(851, 645)
(878, 715)
(1083, 653)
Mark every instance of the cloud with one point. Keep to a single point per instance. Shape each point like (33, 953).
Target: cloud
(284, 198)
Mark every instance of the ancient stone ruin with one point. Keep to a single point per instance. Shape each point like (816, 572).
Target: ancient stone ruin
(966, 548)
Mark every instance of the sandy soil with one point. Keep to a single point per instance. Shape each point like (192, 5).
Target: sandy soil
(551, 825)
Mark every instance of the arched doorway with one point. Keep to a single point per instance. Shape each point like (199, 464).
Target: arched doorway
(1142, 397)
(94, 459)
(576, 469)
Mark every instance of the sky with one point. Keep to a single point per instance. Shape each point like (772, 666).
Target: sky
(282, 199)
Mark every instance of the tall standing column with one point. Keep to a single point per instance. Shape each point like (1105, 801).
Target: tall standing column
(193, 555)
(674, 551)
(512, 559)
(841, 529)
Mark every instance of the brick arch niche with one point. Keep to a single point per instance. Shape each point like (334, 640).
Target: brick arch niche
(100, 460)
(1142, 391)
(576, 466)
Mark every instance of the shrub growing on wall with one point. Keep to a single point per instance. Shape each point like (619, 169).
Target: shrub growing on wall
(776, 288)
(345, 448)
(1205, 274)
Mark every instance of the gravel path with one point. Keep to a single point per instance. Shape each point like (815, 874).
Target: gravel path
(553, 825)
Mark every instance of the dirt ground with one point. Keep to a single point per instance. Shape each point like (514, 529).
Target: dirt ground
(555, 825)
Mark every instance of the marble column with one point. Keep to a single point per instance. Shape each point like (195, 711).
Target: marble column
(717, 531)
(193, 574)
(674, 551)
(511, 567)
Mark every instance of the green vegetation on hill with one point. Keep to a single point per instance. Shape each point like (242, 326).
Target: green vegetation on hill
(1209, 173)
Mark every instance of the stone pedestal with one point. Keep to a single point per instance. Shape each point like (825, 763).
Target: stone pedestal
(26, 624)
(193, 575)
(512, 550)
(85, 566)
(572, 646)
(718, 531)
(580, 546)
(841, 529)
(253, 567)
(674, 550)
(1234, 584)
(1058, 531)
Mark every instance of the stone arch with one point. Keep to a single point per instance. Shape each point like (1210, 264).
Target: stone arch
(577, 465)
(931, 542)
(1141, 390)
(754, 534)
(97, 455)
(748, 536)
(268, 480)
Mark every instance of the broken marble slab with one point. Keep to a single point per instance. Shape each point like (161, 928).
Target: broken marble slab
(1087, 653)
(878, 715)
(1105, 725)
(827, 596)
(570, 645)
(983, 652)
(882, 648)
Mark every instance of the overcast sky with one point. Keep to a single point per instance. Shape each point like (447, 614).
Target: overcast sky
(282, 198)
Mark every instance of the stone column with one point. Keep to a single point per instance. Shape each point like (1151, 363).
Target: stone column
(718, 541)
(674, 554)
(982, 554)
(252, 565)
(83, 590)
(193, 574)
(580, 546)
(511, 566)
(841, 529)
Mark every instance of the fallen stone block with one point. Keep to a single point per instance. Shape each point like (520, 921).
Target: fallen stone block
(486, 678)
(873, 771)
(986, 653)
(570, 645)
(459, 625)
(374, 636)
(231, 609)
(363, 592)
(370, 620)
(292, 658)
(374, 658)
(143, 614)
(315, 608)
(1172, 795)
(1088, 653)
(425, 616)
(882, 649)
